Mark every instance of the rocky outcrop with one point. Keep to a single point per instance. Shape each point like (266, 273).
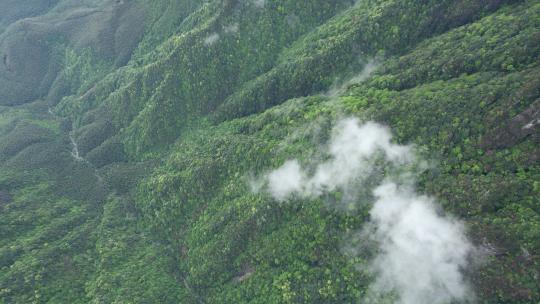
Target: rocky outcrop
(516, 129)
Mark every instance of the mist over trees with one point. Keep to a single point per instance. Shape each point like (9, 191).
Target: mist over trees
(276, 151)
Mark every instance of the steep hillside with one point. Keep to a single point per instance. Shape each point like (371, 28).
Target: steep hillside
(139, 139)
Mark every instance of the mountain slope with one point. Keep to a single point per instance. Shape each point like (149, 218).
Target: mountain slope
(130, 132)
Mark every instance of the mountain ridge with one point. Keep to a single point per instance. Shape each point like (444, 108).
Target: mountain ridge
(175, 106)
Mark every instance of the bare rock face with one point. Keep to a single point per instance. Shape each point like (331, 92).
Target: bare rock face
(525, 124)
(111, 28)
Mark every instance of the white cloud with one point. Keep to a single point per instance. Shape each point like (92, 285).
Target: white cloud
(211, 39)
(286, 180)
(351, 150)
(231, 28)
(420, 253)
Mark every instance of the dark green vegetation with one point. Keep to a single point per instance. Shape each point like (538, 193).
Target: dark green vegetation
(173, 104)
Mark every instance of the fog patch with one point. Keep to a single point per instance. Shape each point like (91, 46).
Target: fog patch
(231, 28)
(419, 253)
(211, 39)
(259, 3)
(214, 37)
(351, 150)
(286, 180)
(339, 88)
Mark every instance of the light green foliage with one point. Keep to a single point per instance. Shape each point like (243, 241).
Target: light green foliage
(161, 209)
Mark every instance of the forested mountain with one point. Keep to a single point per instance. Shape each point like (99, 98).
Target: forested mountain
(269, 151)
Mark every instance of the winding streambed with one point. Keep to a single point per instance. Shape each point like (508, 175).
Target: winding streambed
(75, 150)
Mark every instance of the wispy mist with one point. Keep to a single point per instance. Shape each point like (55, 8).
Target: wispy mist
(341, 87)
(211, 39)
(420, 253)
(231, 28)
(215, 37)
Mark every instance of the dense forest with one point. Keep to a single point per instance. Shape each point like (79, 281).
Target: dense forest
(270, 151)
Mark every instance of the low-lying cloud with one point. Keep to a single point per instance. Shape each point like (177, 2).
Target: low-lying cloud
(351, 152)
(420, 253)
(340, 88)
(215, 37)
(211, 39)
(231, 28)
